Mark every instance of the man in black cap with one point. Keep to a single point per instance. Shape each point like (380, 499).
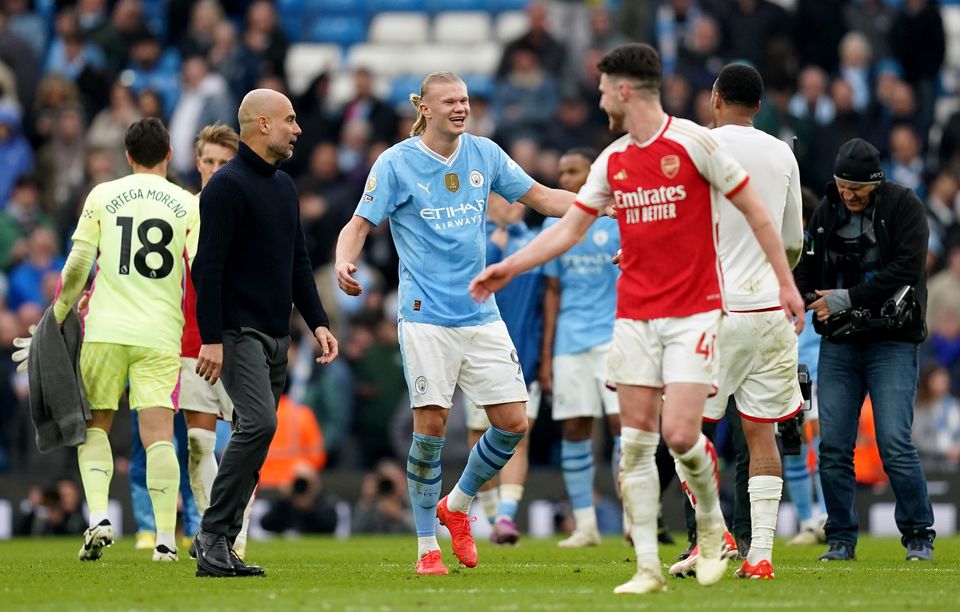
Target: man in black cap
(866, 242)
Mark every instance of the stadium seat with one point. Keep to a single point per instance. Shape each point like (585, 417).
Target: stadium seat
(381, 6)
(400, 89)
(460, 59)
(498, 6)
(334, 7)
(341, 30)
(456, 27)
(306, 60)
(951, 29)
(511, 25)
(437, 6)
(382, 60)
(341, 88)
(399, 28)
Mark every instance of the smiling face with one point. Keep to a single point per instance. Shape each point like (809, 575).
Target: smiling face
(855, 196)
(446, 107)
(610, 102)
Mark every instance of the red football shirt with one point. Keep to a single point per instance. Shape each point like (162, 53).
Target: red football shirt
(664, 190)
(190, 341)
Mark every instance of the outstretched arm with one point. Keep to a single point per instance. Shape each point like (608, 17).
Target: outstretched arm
(547, 201)
(553, 241)
(349, 246)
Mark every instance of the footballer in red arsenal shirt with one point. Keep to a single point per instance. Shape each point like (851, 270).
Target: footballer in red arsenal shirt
(664, 177)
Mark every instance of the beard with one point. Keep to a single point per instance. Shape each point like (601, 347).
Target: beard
(614, 122)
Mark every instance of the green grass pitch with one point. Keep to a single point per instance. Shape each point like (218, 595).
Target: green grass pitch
(376, 573)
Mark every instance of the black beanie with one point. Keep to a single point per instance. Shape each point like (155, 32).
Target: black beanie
(858, 161)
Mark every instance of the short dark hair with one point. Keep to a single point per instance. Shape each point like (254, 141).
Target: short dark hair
(147, 141)
(740, 84)
(586, 153)
(638, 61)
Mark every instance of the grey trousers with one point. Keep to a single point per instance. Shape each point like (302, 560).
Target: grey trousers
(254, 372)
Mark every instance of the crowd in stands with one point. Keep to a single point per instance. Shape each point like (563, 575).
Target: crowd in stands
(75, 74)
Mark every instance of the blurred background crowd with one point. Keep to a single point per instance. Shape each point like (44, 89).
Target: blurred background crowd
(75, 74)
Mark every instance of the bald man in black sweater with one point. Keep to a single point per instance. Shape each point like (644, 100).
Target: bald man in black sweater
(250, 267)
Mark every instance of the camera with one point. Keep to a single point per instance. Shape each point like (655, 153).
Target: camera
(791, 430)
(896, 312)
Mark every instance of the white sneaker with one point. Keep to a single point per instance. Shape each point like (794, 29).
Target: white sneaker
(95, 539)
(811, 532)
(646, 580)
(581, 539)
(162, 553)
(712, 560)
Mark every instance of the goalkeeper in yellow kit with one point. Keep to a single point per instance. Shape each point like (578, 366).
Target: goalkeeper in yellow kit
(137, 228)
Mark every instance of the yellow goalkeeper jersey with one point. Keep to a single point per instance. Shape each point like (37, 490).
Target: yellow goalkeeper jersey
(142, 226)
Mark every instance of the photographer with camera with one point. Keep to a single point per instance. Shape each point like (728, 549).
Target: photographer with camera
(863, 276)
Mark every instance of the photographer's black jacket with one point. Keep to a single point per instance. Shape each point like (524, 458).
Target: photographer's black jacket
(900, 223)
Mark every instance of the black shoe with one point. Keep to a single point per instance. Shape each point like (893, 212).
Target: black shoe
(743, 548)
(920, 549)
(687, 552)
(839, 552)
(213, 556)
(243, 570)
(192, 551)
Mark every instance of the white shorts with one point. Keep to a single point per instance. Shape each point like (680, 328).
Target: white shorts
(758, 367)
(481, 359)
(580, 385)
(477, 417)
(197, 395)
(658, 352)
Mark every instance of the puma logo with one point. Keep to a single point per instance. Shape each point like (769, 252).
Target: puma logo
(105, 472)
(425, 187)
(162, 491)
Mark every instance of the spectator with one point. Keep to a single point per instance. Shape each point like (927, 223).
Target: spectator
(942, 208)
(751, 28)
(365, 106)
(152, 68)
(673, 25)
(905, 165)
(818, 27)
(384, 505)
(812, 99)
(16, 156)
(231, 59)
(352, 152)
(943, 295)
(570, 128)
(699, 58)
(150, 104)
(936, 421)
(918, 42)
(69, 55)
(28, 25)
(264, 38)
(855, 55)
(302, 507)
(526, 96)
(109, 126)
(116, 36)
(62, 160)
(31, 280)
(92, 15)
(874, 18)
(22, 215)
(550, 53)
(205, 16)
(297, 447)
(52, 511)
(204, 100)
(23, 63)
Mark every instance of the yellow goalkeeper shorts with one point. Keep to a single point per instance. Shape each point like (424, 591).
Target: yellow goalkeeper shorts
(154, 375)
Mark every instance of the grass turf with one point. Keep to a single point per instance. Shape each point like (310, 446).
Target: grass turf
(376, 573)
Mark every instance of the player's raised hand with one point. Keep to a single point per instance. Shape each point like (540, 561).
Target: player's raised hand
(492, 278)
(345, 280)
(793, 306)
(329, 347)
(210, 362)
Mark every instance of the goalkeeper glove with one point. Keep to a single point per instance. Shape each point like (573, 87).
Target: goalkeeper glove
(21, 357)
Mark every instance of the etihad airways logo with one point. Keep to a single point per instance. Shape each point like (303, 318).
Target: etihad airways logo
(644, 205)
(467, 213)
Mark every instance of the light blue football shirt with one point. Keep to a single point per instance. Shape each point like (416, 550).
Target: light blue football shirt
(437, 210)
(588, 288)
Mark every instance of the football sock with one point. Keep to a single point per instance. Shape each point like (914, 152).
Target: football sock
(489, 500)
(487, 458)
(797, 477)
(202, 466)
(240, 542)
(585, 519)
(163, 480)
(615, 463)
(423, 484)
(510, 496)
(576, 460)
(95, 459)
(765, 494)
(640, 488)
(698, 470)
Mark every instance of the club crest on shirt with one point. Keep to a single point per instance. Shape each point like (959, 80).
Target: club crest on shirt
(600, 237)
(670, 165)
(371, 181)
(420, 385)
(451, 181)
(476, 179)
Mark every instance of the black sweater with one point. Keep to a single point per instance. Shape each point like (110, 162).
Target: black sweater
(902, 231)
(251, 263)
